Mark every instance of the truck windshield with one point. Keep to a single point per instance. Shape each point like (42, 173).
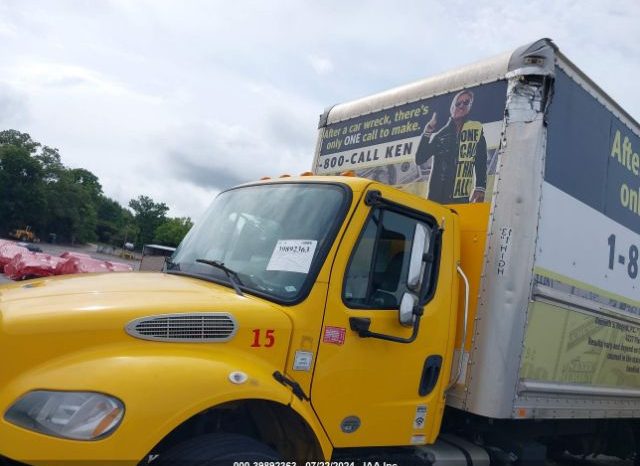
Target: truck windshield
(274, 237)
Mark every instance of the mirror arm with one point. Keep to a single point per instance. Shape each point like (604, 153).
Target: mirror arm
(361, 325)
(373, 198)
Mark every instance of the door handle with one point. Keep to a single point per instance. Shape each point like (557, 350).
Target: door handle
(430, 373)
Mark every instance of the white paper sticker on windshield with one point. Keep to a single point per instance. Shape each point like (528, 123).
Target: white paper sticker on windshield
(292, 255)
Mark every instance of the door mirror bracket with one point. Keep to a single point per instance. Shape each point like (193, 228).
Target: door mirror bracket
(361, 325)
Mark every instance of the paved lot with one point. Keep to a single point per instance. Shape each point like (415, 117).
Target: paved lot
(57, 249)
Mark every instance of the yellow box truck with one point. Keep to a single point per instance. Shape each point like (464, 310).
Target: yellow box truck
(470, 298)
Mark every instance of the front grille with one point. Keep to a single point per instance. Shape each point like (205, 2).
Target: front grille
(200, 327)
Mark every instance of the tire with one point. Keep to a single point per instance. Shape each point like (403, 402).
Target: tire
(217, 450)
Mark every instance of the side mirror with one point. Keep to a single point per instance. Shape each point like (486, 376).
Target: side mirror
(407, 305)
(416, 264)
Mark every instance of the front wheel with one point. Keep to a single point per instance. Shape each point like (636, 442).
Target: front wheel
(217, 450)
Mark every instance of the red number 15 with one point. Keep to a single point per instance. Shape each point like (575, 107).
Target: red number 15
(269, 338)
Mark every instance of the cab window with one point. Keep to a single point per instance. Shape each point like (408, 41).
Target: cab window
(377, 272)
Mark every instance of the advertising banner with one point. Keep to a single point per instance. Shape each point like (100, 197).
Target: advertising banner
(442, 147)
(566, 346)
(588, 244)
(583, 252)
(589, 232)
(592, 155)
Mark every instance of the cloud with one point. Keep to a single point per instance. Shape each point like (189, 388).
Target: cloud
(218, 156)
(322, 66)
(283, 126)
(216, 177)
(38, 76)
(14, 111)
(178, 101)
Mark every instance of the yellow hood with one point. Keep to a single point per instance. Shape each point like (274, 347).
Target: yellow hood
(43, 320)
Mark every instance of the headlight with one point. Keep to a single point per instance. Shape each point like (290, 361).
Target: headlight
(72, 415)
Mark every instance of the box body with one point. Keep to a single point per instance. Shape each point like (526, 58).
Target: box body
(555, 316)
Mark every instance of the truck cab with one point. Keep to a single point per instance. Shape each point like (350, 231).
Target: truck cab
(302, 315)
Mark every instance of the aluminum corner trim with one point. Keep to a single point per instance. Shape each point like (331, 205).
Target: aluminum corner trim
(324, 118)
(544, 49)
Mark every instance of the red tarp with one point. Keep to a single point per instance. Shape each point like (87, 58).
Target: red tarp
(8, 250)
(19, 263)
(76, 264)
(32, 264)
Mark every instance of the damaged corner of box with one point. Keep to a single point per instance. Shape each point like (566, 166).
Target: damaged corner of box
(536, 58)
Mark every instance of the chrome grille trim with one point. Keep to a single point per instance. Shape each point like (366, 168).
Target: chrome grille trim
(200, 327)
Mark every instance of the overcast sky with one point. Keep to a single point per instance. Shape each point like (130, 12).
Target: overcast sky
(180, 99)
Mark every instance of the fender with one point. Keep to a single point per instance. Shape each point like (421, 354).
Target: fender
(305, 410)
(161, 388)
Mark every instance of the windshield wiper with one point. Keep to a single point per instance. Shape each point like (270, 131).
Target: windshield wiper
(232, 275)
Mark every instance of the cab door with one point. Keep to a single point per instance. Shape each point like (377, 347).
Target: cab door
(369, 391)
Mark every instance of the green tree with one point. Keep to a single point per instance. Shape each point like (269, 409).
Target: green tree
(115, 225)
(149, 215)
(71, 212)
(171, 232)
(88, 181)
(12, 137)
(51, 162)
(21, 189)
(37, 189)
